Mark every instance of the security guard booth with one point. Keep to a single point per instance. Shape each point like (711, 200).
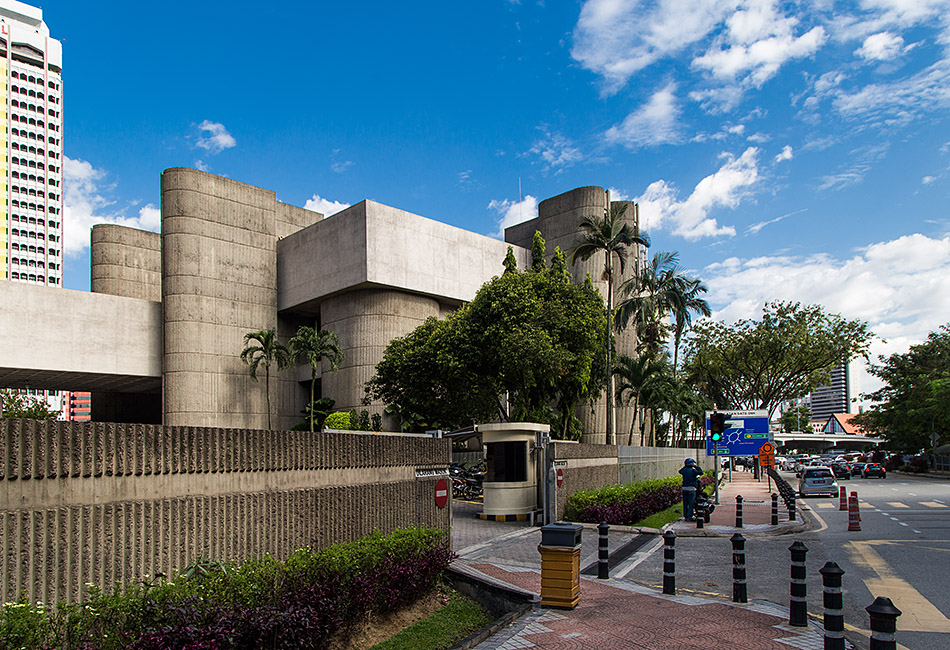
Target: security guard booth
(513, 459)
(560, 550)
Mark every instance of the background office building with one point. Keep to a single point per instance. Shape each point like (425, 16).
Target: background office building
(833, 398)
(31, 171)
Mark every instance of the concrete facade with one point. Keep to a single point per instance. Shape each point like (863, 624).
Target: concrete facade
(110, 503)
(231, 259)
(557, 222)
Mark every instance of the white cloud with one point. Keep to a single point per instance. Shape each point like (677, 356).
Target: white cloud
(513, 212)
(927, 180)
(899, 101)
(653, 124)
(880, 47)
(214, 138)
(689, 218)
(756, 227)
(786, 154)
(617, 38)
(557, 151)
(861, 161)
(86, 203)
(892, 285)
(757, 43)
(326, 207)
(341, 166)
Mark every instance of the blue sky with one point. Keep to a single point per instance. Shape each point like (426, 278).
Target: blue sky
(794, 151)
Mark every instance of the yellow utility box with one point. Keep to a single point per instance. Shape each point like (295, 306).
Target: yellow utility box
(560, 550)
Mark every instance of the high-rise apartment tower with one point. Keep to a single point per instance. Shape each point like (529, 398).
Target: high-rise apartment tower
(31, 173)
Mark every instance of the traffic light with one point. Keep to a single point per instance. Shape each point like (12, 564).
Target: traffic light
(717, 425)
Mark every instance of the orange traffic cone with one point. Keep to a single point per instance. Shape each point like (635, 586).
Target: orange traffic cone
(857, 504)
(854, 521)
(843, 500)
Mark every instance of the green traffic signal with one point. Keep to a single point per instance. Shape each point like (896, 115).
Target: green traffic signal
(716, 437)
(717, 426)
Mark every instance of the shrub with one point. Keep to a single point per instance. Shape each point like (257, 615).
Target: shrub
(627, 504)
(918, 464)
(338, 420)
(299, 603)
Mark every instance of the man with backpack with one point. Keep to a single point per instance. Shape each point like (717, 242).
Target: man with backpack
(690, 473)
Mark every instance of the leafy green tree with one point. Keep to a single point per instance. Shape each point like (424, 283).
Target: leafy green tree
(915, 399)
(262, 348)
(529, 336)
(757, 364)
(315, 346)
(537, 252)
(611, 235)
(339, 420)
(796, 419)
(510, 263)
(15, 404)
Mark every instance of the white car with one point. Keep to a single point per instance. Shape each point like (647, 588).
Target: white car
(817, 480)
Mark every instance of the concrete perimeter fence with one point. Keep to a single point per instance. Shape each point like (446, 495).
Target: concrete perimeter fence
(641, 463)
(110, 503)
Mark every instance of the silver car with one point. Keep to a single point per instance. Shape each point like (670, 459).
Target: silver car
(817, 480)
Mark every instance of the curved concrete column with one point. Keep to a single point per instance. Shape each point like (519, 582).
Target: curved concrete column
(219, 281)
(126, 262)
(366, 321)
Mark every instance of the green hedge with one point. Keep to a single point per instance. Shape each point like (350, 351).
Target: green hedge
(302, 602)
(627, 504)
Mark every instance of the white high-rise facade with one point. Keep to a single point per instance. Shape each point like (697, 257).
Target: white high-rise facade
(31, 169)
(31, 172)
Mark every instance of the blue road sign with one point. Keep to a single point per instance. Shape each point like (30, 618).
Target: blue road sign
(746, 431)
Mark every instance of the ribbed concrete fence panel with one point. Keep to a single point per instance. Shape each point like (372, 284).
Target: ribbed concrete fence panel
(641, 463)
(111, 503)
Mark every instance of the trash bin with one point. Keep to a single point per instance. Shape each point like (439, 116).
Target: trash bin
(560, 550)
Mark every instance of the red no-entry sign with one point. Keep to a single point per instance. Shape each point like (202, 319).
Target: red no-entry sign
(560, 477)
(441, 493)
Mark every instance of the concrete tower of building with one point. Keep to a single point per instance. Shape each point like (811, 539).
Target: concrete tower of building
(31, 173)
(833, 398)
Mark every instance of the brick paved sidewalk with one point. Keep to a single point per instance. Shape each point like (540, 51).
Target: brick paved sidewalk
(619, 615)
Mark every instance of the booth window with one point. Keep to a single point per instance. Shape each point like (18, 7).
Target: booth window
(506, 462)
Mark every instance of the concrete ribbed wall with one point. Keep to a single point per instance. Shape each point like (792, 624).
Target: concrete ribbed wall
(557, 222)
(366, 321)
(111, 503)
(126, 262)
(585, 467)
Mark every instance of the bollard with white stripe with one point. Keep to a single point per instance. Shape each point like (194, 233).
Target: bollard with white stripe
(774, 509)
(669, 564)
(798, 601)
(738, 511)
(834, 606)
(603, 555)
(739, 593)
(883, 623)
(791, 508)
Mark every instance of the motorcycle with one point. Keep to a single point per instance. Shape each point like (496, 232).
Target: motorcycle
(704, 506)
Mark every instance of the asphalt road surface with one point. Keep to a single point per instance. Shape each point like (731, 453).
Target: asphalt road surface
(902, 551)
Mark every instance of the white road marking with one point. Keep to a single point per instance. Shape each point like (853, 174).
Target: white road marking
(901, 523)
(938, 500)
(915, 530)
(893, 518)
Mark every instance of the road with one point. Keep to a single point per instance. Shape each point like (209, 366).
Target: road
(902, 551)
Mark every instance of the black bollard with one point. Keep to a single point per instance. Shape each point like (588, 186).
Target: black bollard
(701, 518)
(738, 511)
(834, 606)
(774, 509)
(669, 564)
(798, 605)
(791, 508)
(739, 594)
(883, 623)
(603, 569)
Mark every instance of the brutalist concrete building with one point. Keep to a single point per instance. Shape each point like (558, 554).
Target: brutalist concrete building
(231, 259)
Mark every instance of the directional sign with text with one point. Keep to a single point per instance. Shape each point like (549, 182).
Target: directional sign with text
(746, 431)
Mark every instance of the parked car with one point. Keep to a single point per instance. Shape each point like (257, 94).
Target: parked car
(817, 480)
(873, 469)
(841, 470)
(857, 468)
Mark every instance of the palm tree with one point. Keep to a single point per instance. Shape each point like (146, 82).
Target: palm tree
(315, 346)
(638, 379)
(262, 349)
(688, 302)
(611, 235)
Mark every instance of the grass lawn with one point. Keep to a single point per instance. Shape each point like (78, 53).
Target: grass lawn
(450, 624)
(663, 517)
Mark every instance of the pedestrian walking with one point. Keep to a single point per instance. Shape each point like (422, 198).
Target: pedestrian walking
(690, 473)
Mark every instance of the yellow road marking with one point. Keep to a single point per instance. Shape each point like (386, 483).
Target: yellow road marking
(932, 504)
(827, 506)
(918, 613)
(897, 504)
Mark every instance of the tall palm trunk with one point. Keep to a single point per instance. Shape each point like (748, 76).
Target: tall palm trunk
(267, 392)
(610, 375)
